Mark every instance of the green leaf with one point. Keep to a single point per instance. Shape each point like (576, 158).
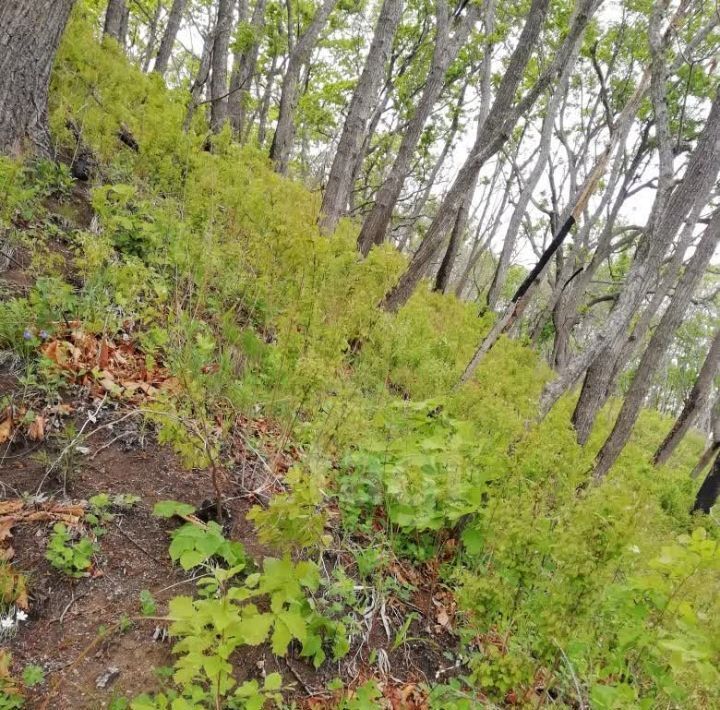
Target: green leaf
(168, 508)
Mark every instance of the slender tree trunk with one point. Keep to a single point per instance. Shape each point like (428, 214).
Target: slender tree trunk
(696, 401)
(168, 39)
(375, 226)
(337, 191)
(30, 32)
(282, 143)
(218, 76)
(527, 192)
(496, 130)
(404, 235)
(152, 38)
(244, 66)
(699, 177)
(709, 490)
(267, 98)
(442, 280)
(200, 80)
(658, 346)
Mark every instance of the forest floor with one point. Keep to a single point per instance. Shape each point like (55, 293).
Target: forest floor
(59, 449)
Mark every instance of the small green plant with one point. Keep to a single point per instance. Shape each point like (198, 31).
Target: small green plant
(71, 556)
(148, 606)
(33, 675)
(103, 507)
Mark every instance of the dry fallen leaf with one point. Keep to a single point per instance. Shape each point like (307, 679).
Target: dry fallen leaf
(5, 429)
(36, 430)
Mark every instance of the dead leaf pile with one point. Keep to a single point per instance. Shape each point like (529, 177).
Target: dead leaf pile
(16, 421)
(105, 366)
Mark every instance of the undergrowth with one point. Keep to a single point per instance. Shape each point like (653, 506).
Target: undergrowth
(216, 266)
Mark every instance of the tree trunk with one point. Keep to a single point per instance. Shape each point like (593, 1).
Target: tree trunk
(152, 38)
(699, 177)
(442, 280)
(282, 143)
(218, 76)
(266, 99)
(168, 40)
(244, 65)
(714, 447)
(114, 17)
(604, 372)
(696, 401)
(337, 191)
(708, 494)
(496, 130)
(198, 85)
(657, 347)
(526, 194)
(30, 32)
(375, 226)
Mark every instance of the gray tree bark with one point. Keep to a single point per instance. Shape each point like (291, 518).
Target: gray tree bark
(657, 347)
(696, 401)
(168, 39)
(266, 99)
(496, 130)
(218, 76)
(244, 66)
(200, 80)
(699, 177)
(447, 45)
(114, 19)
(711, 451)
(30, 32)
(337, 191)
(282, 143)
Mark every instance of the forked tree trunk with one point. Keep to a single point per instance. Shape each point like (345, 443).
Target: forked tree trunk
(282, 143)
(365, 96)
(30, 32)
(696, 401)
(168, 40)
(447, 45)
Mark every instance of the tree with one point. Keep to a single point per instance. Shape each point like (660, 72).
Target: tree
(496, 130)
(244, 67)
(116, 18)
(658, 345)
(663, 225)
(282, 143)
(219, 63)
(451, 31)
(708, 493)
(337, 191)
(168, 39)
(30, 32)
(695, 403)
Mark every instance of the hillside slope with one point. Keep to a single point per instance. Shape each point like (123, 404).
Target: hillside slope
(427, 546)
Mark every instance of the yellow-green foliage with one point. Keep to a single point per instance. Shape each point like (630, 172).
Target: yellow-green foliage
(220, 262)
